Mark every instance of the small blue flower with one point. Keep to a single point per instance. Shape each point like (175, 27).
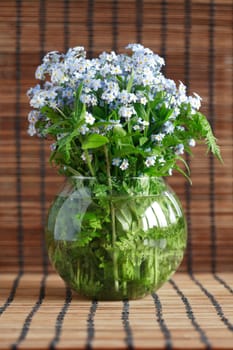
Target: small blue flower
(84, 129)
(157, 137)
(168, 127)
(126, 98)
(31, 129)
(126, 112)
(53, 147)
(179, 149)
(150, 161)
(34, 116)
(76, 52)
(89, 119)
(124, 165)
(195, 102)
(192, 143)
(116, 162)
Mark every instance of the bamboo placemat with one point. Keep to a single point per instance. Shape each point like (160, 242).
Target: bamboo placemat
(189, 312)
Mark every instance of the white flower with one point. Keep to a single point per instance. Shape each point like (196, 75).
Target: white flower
(135, 47)
(58, 75)
(126, 112)
(157, 137)
(142, 100)
(68, 93)
(84, 129)
(33, 116)
(31, 129)
(144, 123)
(179, 149)
(195, 101)
(181, 96)
(75, 52)
(53, 147)
(182, 89)
(150, 161)
(110, 92)
(161, 160)
(168, 127)
(60, 136)
(84, 158)
(192, 143)
(95, 130)
(96, 84)
(116, 70)
(52, 57)
(124, 165)
(169, 85)
(88, 99)
(109, 57)
(38, 100)
(148, 77)
(125, 97)
(116, 162)
(137, 127)
(89, 118)
(41, 71)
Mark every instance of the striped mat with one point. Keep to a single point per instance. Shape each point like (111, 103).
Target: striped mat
(191, 311)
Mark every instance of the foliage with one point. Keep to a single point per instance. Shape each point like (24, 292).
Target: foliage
(126, 255)
(117, 113)
(119, 121)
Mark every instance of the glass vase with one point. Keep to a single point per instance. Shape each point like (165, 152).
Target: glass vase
(117, 241)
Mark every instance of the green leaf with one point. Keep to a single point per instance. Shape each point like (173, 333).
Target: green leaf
(185, 164)
(209, 136)
(130, 83)
(140, 109)
(183, 173)
(127, 149)
(124, 217)
(98, 112)
(51, 114)
(119, 131)
(92, 220)
(142, 140)
(78, 104)
(94, 141)
(157, 100)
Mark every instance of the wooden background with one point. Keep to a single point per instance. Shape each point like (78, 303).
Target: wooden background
(195, 38)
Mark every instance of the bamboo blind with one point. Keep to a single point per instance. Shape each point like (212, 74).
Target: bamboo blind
(36, 311)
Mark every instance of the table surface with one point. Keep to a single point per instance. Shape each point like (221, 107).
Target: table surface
(188, 312)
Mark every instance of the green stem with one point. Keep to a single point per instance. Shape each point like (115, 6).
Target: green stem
(112, 209)
(89, 163)
(156, 270)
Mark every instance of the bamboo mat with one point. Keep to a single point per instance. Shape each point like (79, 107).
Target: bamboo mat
(189, 312)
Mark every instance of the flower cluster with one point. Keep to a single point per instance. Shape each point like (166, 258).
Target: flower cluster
(115, 115)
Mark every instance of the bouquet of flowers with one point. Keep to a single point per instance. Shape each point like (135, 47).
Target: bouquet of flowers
(117, 126)
(116, 115)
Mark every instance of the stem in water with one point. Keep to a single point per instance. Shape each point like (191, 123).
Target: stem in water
(115, 267)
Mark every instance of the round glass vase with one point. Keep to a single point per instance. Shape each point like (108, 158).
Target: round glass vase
(116, 241)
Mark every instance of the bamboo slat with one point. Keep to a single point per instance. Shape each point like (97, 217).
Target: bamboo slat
(180, 316)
